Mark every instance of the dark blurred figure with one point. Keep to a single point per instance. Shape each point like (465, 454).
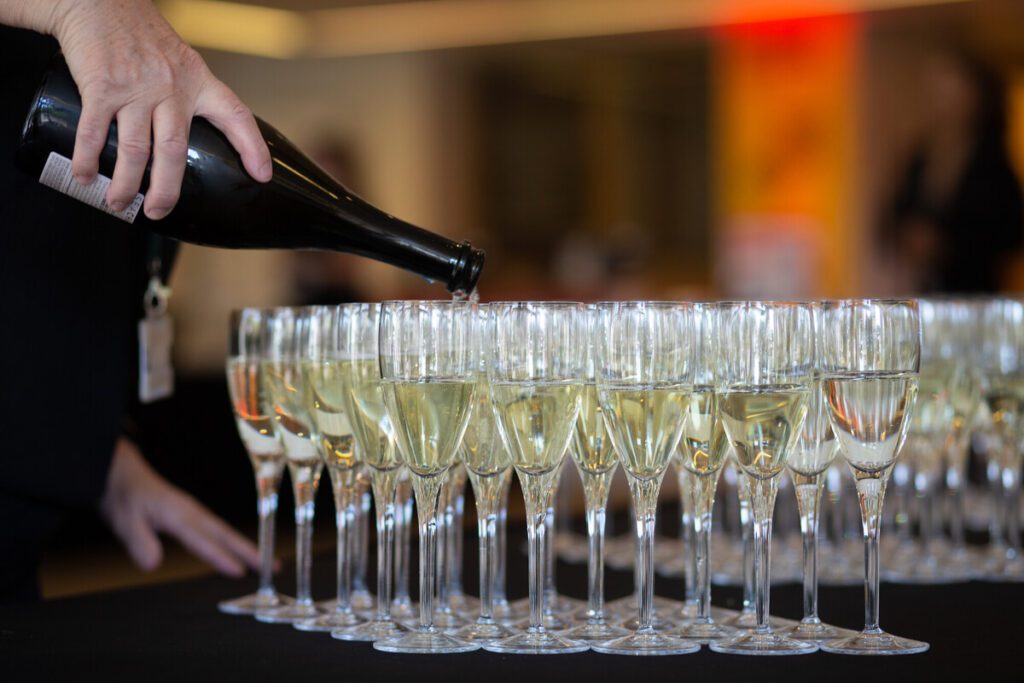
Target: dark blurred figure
(956, 220)
(325, 278)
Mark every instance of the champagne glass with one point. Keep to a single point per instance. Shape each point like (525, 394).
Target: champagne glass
(812, 454)
(332, 435)
(644, 353)
(596, 463)
(764, 374)
(286, 394)
(964, 389)
(429, 372)
(246, 388)
(489, 466)
(1001, 361)
(702, 451)
(536, 365)
(356, 329)
(871, 355)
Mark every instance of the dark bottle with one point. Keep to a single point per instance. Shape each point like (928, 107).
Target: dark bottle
(302, 207)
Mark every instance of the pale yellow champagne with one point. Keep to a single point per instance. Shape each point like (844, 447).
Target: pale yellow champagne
(591, 448)
(331, 426)
(429, 419)
(248, 399)
(363, 398)
(816, 447)
(703, 447)
(645, 424)
(289, 404)
(482, 451)
(536, 420)
(763, 423)
(870, 414)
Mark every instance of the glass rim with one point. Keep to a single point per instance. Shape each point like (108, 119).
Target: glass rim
(658, 303)
(555, 303)
(912, 301)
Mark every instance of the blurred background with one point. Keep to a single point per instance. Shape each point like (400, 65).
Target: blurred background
(610, 149)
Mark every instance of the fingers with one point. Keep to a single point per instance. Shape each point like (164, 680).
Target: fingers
(170, 145)
(196, 528)
(141, 541)
(239, 546)
(221, 107)
(93, 126)
(133, 143)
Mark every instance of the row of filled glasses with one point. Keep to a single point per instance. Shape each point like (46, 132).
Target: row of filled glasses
(421, 386)
(971, 362)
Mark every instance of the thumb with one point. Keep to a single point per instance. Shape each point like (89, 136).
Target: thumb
(141, 541)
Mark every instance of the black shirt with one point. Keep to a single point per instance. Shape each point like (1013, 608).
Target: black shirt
(71, 286)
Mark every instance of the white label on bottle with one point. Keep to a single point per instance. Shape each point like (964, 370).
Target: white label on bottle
(57, 174)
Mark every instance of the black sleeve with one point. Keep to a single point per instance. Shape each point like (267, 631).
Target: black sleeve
(69, 296)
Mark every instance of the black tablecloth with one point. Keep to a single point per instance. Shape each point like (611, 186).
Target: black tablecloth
(174, 632)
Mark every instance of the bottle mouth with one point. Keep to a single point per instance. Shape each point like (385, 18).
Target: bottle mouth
(467, 269)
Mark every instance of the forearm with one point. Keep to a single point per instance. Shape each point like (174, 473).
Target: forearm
(38, 15)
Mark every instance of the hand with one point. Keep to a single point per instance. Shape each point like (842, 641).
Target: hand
(130, 66)
(138, 504)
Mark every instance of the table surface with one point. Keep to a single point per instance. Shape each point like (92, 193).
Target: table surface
(173, 631)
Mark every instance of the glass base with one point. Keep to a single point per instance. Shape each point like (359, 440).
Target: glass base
(537, 642)
(816, 631)
(658, 623)
(703, 632)
(448, 619)
(688, 612)
(371, 631)
(363, 600)
(879, 643)
(747, 619)
(466, 605)
(289, 614)
(254, 602)
(483, 632)
(561, 604)
(754, 643)
(647, 643)
(550, 621)
(405, 609)
(328, 622)
(509, 613)
(427, 641)
(595, 631)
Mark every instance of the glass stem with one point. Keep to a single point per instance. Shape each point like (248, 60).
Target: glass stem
(925, 519)
(954, 479)
(403, 533)
(343, 486)
(538, 492)
(704, 498)
(645, 502)
(686, 525)
(996, 528)
(268, 480)
(1011, 495)
(487, 492)
(501, 545)
(443, 556)
(595, 492)
(428, 494)
(762, 503)
(747, 526)
(384, 485)
(456, 537)
(304, 484)
(550, 580)
(870, 492)
(808, 502)
(361, 541)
